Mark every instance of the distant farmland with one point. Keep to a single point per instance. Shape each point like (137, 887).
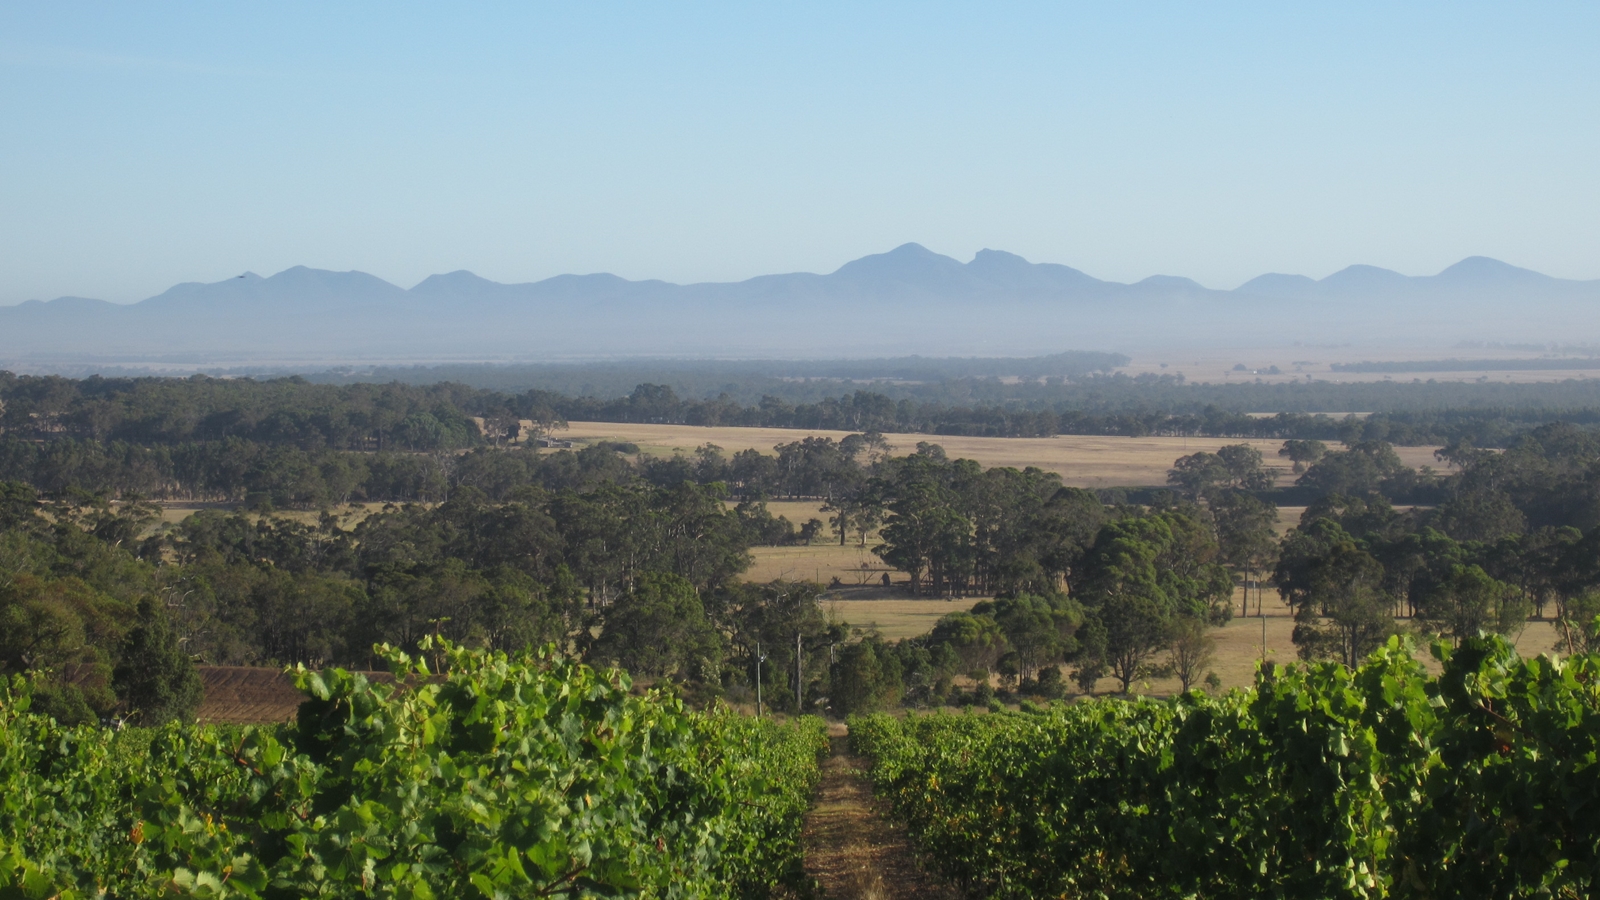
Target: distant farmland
(1088, 461)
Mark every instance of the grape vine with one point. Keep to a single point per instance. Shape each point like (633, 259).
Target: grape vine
(508, 777)
(1321, 781)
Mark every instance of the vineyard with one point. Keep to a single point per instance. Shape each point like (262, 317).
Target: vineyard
(536, 776)
(1320, 782)
(509, 777)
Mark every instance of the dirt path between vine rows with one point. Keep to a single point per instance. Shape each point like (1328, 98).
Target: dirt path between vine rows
(852, 850)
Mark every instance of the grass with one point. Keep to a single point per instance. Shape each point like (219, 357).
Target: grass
(1090, 461)
(894, 618)
(1239, 646)
(173, 512)
(819, 562)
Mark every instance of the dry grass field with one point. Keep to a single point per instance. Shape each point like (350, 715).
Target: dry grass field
(1238, 643)
(798, 511)
(1088, 461)
(173, 512)
(894, 618)
(819, 562)
(1239, 647)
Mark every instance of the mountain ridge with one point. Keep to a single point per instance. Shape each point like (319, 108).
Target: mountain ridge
(906, 299)
(878, 268)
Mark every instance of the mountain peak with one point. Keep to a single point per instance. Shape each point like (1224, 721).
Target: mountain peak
(911, 248)
(1365, 279)
(1278, 284)
(457, 279)
(1171, 282)
(1482, 269)
(995, 259)
(907, 262)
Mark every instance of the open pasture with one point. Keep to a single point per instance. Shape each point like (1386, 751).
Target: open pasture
(173, 512)
(819, 562)
(1239, 646)
(892, 618)
(1089, 461)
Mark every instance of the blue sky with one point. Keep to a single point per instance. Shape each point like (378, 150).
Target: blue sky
(148, 144)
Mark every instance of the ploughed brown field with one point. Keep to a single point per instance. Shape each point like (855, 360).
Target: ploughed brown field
(246, 695)
(253, 695)
(1088, 461)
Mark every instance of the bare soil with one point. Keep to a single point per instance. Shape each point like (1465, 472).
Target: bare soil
(246, 695)
(852, 850)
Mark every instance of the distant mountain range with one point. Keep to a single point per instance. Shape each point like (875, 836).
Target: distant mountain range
(909, 300)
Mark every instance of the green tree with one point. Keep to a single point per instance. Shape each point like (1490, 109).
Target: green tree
(1246, 469)
(929, 534)
(1245, 536)
(772, 616)
(154, 680)
(1198, 473)
(64, 634)
(19, 506)
(1038, 630)
(1480, 515)
(1236, 465)
(974, 636)
(1303, 453)
(1468, 602)
(658, 629)
(1365, 468)
(1137, 627)
(1192, 653)
(1141, 575)
(1580, 623)
(866, 678)
(1344, 613)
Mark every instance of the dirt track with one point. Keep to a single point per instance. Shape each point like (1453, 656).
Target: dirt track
(852, 851)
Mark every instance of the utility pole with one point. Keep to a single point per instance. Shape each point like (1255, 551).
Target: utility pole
(759, 660)
(799, 679)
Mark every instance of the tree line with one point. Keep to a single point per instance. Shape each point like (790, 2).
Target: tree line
(398, 417)
(1130, 591)
(635, 560)
(1515, 534)
(1081, 382)
(635, 565)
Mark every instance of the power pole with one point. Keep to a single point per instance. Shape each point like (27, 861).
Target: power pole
(799, 679)
(759, 659)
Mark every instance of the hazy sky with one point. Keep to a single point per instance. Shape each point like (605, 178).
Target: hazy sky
(147, 144)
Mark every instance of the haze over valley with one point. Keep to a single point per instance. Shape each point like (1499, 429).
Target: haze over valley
(907, 301)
